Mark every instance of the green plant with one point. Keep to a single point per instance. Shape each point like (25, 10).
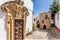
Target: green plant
(54, 7)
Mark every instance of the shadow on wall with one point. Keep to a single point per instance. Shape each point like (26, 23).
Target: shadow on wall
(3, 18)
(3, 34)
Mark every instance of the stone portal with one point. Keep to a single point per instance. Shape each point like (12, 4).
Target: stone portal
(16, 20)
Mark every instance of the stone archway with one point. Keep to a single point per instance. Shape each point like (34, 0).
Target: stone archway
(15, 14)
(44, 26)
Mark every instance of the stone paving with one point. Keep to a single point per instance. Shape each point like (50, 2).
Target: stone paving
(42, 35)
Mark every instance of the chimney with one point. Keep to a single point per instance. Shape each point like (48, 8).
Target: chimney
(18, 1)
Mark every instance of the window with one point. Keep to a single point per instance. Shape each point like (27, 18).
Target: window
(46, 17)
(42, 21)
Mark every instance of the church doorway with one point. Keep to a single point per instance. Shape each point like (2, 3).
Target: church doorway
(44, 26)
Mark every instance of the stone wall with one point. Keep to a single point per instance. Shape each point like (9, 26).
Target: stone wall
(45, 19)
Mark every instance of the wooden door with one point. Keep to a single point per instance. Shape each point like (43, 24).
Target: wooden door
(18, 29)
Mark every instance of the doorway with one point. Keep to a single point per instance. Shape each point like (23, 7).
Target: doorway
(44, 26)
(18, 29)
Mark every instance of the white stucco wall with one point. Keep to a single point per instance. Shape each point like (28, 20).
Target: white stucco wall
(29, 5)
(57, 19)
(3, 33)
(3, 1)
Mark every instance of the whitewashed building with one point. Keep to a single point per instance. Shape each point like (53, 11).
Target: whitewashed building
(57, 20)
(29, 5)
(3, 32)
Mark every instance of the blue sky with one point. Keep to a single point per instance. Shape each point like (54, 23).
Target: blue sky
(41, 6)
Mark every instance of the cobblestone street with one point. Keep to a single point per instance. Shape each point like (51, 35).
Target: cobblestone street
(42, 35)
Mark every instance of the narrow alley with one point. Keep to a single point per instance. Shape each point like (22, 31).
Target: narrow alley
(43, 35)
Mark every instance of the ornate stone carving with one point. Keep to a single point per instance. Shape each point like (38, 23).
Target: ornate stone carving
(15, 11)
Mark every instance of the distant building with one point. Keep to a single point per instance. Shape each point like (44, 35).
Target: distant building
(45, 20)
